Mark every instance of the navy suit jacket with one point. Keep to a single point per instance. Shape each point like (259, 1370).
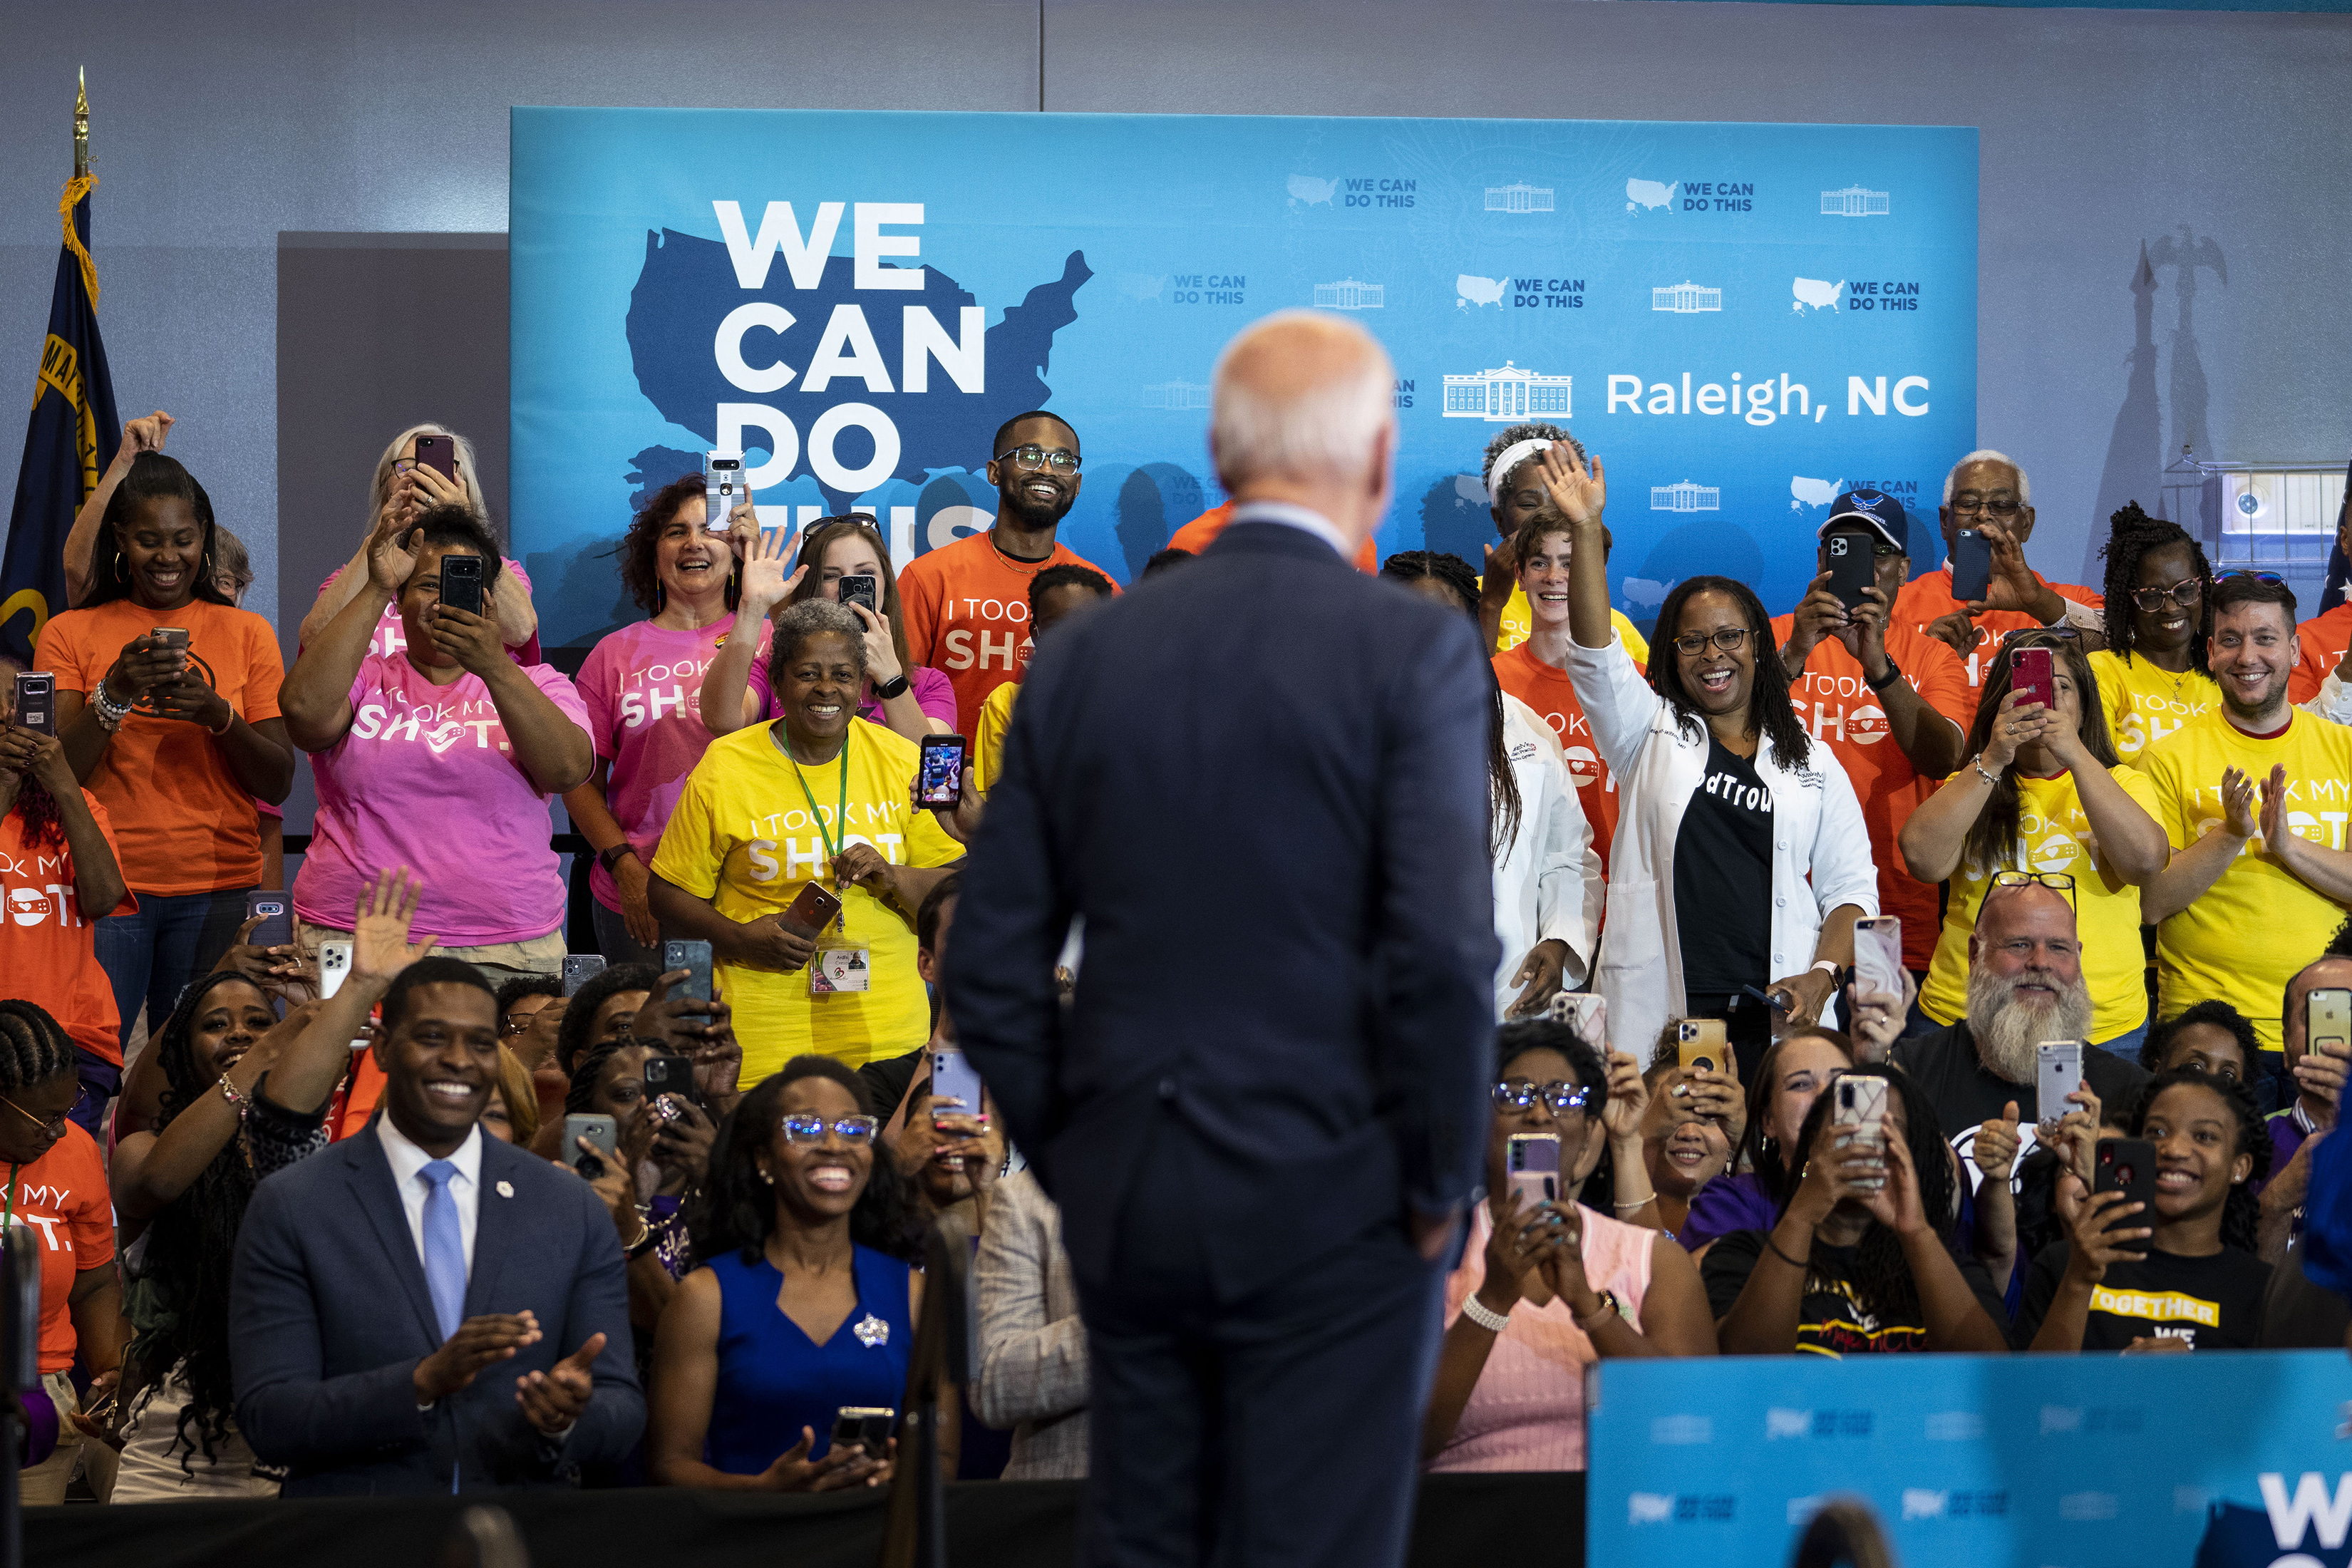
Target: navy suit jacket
(329, 1315)
(1261, 780)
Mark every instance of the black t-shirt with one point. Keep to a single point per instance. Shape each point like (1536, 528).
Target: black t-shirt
(1723, 878)
(2214, 1303)
(887, 1078)
(1831, 1319)
(1968, 1094)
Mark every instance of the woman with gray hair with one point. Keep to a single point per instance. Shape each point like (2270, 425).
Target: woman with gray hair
(406, 485)
(778, 821)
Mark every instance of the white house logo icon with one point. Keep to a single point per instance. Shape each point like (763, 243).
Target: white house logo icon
(1176, 395)
(1518, 197)
(1472, 290)
(1854, 202)
(1812, 492)
(1313, 192)
(1820, 295)
(1685, 299)
(1350, 295)
(1649, 194)
(1686, 497)
(1501, 396)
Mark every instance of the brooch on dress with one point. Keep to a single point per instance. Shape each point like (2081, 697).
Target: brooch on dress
(871, 1331)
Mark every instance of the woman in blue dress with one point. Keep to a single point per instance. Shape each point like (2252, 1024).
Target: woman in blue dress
(806, 1303)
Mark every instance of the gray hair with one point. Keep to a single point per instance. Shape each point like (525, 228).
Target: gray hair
(469, 471)
(1326, 429)
(1987, 455)
(795, 624)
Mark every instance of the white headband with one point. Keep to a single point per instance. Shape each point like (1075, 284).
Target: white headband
(1513, 456)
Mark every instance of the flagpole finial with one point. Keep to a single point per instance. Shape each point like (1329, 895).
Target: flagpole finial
(81, 124)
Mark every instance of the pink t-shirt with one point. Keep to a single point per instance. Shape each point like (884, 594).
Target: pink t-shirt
(934, 694)
(392, 633)
(641, 687)
(423, 779)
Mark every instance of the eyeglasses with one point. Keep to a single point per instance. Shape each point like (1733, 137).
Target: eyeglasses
(1033, 457)
(2057, 881)
(2185, 592)
(403, 466)
(1518, 1094)
(1730, 640)
(2272, 578)
(1996, 506)
(809, 1128)
(54, 1126)
(2055, 633)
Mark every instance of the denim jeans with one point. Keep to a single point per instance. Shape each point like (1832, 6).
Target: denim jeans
(150, 956)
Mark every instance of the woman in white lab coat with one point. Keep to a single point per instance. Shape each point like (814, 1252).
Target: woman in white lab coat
(1741, 861)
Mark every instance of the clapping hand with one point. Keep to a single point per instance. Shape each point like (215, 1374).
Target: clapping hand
(552, 1400)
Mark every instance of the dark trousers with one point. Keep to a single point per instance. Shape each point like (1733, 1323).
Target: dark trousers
(149, 956)
(1284, 1428)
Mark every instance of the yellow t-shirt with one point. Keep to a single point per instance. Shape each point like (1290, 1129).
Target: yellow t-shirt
(2143, 704)
(1518, 622)
(2256, 925)
(2057, 837)
(988, 736)
(744, 838)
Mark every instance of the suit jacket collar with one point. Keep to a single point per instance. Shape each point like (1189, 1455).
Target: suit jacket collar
(497, 1225)
(369, 1172)
(1243, 537)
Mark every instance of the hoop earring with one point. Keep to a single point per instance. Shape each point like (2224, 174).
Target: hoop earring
(122, 571)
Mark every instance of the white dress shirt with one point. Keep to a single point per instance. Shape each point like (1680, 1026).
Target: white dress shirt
(465, 1187)
(1304, 519)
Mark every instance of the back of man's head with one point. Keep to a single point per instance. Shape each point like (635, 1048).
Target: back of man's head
(1302, 397)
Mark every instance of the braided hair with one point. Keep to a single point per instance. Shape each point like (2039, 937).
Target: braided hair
(2222, 1015)
(192, 1240)
(737, 1211)
(34, 1047)
(1504, 808)
(2132, 537)
(2241, 1211)
(1769, 708)
(1880, 1279)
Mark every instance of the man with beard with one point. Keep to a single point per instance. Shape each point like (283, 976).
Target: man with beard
(2254, 795)
(2025, 986)
(967, 604)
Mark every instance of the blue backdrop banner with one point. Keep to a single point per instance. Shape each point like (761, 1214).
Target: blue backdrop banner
(1738, 319)
(2219, 1459)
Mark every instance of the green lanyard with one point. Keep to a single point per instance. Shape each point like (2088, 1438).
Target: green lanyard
(840, 818)
(8, 1205)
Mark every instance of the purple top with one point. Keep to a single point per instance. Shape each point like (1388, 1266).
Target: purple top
(934, 694)
(1726, 1205)
(2286, 1138)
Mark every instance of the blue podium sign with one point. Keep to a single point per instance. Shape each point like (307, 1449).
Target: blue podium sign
(2225, 1460)
(1738, 319)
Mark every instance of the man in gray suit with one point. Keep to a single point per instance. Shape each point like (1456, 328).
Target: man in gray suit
(1262, 781)
(402, 1302)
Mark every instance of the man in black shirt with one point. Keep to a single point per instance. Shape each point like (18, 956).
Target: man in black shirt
(2025, 986)
(887, 1078)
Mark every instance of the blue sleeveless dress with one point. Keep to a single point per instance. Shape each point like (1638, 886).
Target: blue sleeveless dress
(773, 1379)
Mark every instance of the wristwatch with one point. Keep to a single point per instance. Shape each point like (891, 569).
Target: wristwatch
(895, 689)
(1893, 675)
(608, 858)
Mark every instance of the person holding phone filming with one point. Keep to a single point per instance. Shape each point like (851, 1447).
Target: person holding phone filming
(1544, 1290)
(815, 799)
(441, 756)
(167, 704)
(1988, 495)
(1742, 859)
(2044, 794)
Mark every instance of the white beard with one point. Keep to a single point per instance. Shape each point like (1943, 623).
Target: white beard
(2007, 1030)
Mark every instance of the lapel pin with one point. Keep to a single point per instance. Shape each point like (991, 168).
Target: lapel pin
(506, 1189)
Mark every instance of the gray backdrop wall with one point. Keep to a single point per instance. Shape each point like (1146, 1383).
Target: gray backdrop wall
(301, 223)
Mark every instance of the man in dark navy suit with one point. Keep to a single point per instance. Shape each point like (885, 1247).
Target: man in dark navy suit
(1262, 782)
(422, 1308)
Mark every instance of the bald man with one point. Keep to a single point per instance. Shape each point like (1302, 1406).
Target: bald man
(1261, 781)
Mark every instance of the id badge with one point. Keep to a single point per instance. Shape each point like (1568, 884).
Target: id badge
(840, 969)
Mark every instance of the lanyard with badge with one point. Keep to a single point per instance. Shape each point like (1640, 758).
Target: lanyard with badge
(843, 968)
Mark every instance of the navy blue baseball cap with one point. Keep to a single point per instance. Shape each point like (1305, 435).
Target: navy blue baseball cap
(1875, 510)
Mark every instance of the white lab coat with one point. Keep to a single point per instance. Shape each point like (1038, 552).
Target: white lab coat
(1548, 882)
(1821, 849)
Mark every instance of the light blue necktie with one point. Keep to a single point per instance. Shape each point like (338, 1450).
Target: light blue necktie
(445, 1248)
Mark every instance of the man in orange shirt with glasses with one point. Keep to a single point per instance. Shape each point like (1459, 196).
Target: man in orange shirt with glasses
(1988, 493)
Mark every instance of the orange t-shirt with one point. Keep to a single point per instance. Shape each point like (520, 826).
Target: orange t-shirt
(1929, 598)
(1836, 706)
(182, 822)
(48, 946)
(1550, 693)
(1202, 532)
(966, 606)
(2324, 638)
(62, 1199)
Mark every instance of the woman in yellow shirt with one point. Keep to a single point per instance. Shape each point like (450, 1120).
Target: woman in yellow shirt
(816, 796)
(2044, 793)
(2151, 675)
